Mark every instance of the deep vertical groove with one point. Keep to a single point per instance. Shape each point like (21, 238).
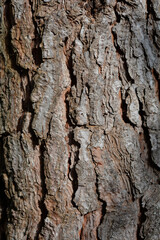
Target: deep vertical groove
(72, 174)
(103, 203)
(150, 10)
(122, 55)
(3, 199)
(124, 110)
(71, 141)
(147, 137)
(141, 220)
(69, 64)
(42, 206)
(82, 229)
(93, 63)
(157, 82)
(36, 50)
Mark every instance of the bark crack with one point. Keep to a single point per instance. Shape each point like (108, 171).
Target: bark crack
(103, 203)
(74, 146)
(141, 219)
(36, 49)
(4, 201)
(156, 77)
(83, 226)
(124, 110)
(42, 205)
(72, 174)
(150, 11)
(122, 55)
(147, 136)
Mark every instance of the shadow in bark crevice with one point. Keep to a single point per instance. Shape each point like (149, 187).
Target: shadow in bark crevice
(36, 50)
(4, 201)
(147, 138)
(42, 205)
(141, 219)
(122, 55)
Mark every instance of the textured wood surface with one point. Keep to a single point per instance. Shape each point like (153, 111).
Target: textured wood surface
(79, 120)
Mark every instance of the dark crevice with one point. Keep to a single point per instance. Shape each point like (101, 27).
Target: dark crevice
(69, 64)
(149, 147)
(82, 230)
(122, 55)
(147, 137)
(36, 50)
(4, 202)
(155, 37)
(150, 11)
(157, 82)
(118, 16)
(141, 220)
(42, 206)
(37, 55)
(20, 122)
(83, 226)
(124, 113)
(124, 110)
(130, 4)
(103, 203)
(72, 174)
(34, 138)
(26, 102)
(97, 7)
(70, 121)
(103, 210)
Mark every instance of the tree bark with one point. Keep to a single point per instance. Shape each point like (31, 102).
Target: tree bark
(79, 120)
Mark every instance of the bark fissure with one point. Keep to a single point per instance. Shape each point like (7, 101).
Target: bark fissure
(150, 10)
(124, 110)
(156, 77)
(79, 117)
(103, 203)
(141, 219)
(122, 55)
(83, 226)
(118, 16)
(69, 64)
(36, 49)
(147, 138)
(96, 7)
(72, 174)
(4, 201)
(42, 205)
(72, 171)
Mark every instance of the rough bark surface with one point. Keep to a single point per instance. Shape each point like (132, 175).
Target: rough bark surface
(79, 120)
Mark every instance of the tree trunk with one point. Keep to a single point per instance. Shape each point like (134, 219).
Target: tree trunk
(79, 120)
